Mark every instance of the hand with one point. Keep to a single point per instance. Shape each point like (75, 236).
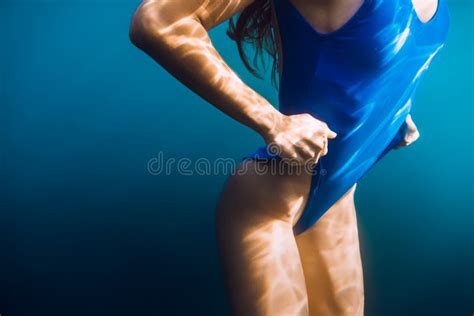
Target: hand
(299, 137)
(411, 134)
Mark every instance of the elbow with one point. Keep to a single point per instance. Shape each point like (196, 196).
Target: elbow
(142, 28)
(134, 31)
(149, 28)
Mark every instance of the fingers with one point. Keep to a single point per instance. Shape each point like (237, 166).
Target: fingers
(411, 135)
(325, 148)
(309, 150)
(306, 154)
(318, 145)
(300, 152)
(409, 139)
(312, 148)
(303, 138)
(331, 134)
(318, 140)
(327, 131)
(313, 162)
(409, 121)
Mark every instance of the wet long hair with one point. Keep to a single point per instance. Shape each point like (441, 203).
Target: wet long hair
(254, 26)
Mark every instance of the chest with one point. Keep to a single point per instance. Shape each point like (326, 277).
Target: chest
(385, 34)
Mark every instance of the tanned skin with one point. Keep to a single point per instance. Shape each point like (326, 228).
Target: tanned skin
(267, 270)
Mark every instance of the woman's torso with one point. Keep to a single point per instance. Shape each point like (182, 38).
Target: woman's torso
(360, 79)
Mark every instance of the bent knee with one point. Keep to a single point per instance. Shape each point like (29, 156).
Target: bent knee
(264, 190)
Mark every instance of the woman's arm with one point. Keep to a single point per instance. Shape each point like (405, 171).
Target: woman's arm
(175, 34)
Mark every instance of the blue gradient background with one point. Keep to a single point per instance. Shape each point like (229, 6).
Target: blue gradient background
(85, 230)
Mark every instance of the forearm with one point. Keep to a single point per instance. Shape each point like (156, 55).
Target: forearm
(183, 47)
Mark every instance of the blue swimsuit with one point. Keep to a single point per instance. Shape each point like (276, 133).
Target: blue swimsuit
(360, 80)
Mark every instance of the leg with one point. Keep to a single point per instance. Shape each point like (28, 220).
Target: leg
(261, 264)
(331, 261)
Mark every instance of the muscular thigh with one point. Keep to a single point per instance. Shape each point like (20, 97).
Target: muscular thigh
(260, 260)
(330, 256)
(265, 190)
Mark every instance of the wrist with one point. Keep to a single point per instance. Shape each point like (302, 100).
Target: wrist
(267, 122)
